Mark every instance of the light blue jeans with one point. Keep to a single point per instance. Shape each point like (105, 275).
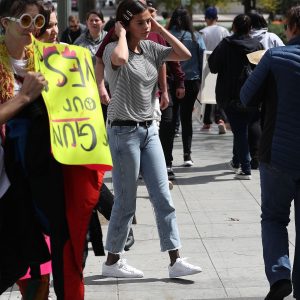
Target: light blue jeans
(278, 190)
(134, 149)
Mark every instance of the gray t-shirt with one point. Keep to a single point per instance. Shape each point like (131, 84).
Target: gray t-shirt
(133, 85)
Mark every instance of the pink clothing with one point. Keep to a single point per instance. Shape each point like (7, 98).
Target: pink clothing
(45, 268)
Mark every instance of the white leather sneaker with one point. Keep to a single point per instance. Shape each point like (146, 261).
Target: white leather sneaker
(121, 270)
(183, 268)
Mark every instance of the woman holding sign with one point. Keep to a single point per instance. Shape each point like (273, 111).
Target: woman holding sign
(132, 65)
(61, 197)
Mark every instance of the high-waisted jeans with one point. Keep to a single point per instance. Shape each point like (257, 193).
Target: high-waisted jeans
(134, 149)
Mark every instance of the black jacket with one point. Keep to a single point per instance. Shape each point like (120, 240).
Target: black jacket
(228, 60)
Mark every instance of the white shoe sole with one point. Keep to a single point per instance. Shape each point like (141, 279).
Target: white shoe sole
(188, 164)
(242, 177)
(184, 274)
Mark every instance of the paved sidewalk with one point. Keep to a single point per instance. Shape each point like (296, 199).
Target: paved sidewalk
(219, 223)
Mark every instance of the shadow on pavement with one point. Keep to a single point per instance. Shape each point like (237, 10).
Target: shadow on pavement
(97, 280)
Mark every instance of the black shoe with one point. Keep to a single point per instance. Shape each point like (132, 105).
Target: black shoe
(280, 289)
(171, 175)
(129, 241)
(254, 164)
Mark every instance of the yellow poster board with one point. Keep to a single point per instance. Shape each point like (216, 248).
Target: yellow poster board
(77, 129)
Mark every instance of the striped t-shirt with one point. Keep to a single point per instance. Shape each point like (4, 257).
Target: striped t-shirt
(133, 86)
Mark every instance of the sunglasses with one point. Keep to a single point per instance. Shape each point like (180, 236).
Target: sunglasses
(26, 21)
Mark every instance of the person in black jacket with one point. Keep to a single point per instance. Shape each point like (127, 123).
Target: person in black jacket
(229, 60)
(73, 31)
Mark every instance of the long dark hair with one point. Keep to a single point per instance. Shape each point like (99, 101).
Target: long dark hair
(257, 20)
(15, 8)
(241, 24)
(293, 17)
(48, 9)
(182, 20)
(127, 9)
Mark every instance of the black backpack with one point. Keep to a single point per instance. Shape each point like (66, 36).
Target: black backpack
(236, 104)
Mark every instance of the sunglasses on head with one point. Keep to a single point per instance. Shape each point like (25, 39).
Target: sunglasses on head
(26, 20)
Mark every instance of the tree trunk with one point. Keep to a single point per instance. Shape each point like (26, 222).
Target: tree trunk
(249, 5)
(84, 6)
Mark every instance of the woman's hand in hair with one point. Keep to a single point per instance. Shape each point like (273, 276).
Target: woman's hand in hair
(119, 29)
(120, 54)
(155, 26)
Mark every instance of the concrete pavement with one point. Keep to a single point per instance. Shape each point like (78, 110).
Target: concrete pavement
(219, 223)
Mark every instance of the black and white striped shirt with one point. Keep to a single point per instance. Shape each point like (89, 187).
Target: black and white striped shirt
(133, 86)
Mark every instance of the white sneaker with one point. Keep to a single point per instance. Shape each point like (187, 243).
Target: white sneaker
(121, 270)
(182, 268)
(188, 163)
(234, 168)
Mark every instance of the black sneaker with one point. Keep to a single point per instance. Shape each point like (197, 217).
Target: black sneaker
(254, 164)
(171, 175)
(280, 289)
(242, 176)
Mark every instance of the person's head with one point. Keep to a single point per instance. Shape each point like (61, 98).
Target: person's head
(292, 25)
(135, 17)
(181, 20)
(241, 24)
(257, 20)
(211, 15)
(152, 8)
(20, 19)
(94, 22)
(74, 23)
(165, 15)
(49, 32)
(109, 24)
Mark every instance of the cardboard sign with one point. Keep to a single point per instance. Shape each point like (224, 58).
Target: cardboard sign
(77, 129)
(207, 94)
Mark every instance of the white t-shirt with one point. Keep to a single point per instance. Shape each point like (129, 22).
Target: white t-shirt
(19, 68)
(213, 35)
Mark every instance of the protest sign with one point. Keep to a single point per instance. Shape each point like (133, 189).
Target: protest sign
(77, 129)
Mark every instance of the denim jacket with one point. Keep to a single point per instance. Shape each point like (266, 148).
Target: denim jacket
(192, 67)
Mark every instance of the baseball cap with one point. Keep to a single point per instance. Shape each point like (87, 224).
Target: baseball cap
(211, 13)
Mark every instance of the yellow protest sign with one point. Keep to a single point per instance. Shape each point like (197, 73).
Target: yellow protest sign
(77, 129)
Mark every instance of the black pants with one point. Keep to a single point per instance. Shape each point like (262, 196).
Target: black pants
(167, 132)
(213, 113)
(254, 135)
(186, 109)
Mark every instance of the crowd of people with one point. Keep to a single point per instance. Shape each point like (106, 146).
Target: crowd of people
(147, 75)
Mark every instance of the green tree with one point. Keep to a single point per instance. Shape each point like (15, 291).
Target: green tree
(170, 5)
(270, 6)
(286, 4)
